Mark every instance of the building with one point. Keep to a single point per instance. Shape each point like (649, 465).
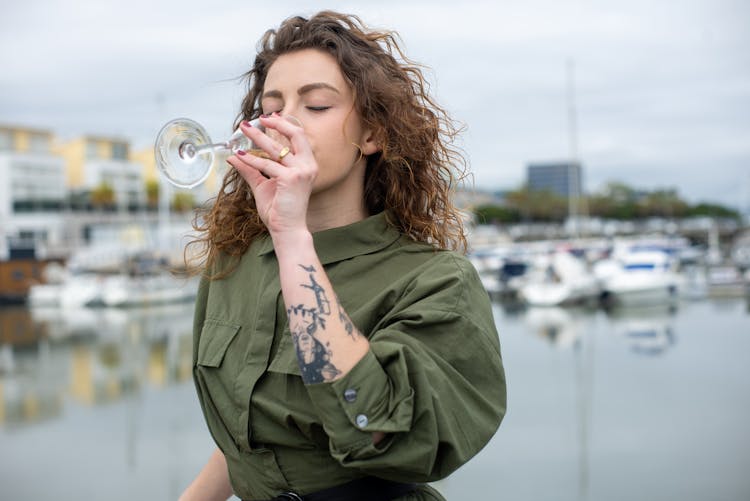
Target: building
(94, 162)
(32, 196)
(32, 190)
(561, 178)
(31, 177)
(52, 202)
(200, 193)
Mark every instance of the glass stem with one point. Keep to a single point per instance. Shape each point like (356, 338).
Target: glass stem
(200, 150)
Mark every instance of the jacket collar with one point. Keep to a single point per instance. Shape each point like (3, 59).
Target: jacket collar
(337, 244)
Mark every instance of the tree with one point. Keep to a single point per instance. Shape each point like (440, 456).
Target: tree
(103, 196)
(662, 203)
(496, 214)
(183, 201)
(538, 205)
(152, 193)
(620, 201)
(712, 210)
(616, 201)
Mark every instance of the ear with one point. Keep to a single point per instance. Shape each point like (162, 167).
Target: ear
(370, 142)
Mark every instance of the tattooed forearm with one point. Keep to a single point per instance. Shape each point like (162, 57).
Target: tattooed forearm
(315, 319)
(313, 357)
(312, 341)
(347, 322)
(324, 307)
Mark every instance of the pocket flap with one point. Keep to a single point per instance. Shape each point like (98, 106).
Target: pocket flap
(214, 341)
(285, 359)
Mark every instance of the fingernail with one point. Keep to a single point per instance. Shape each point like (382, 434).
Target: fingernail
(246, 123)
(241, 153)
(265, 115)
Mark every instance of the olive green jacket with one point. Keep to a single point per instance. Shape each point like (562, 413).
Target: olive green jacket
(433, 379)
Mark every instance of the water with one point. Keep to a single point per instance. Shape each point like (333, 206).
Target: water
(648, 404)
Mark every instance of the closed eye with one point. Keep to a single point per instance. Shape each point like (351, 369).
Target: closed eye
(318, 108)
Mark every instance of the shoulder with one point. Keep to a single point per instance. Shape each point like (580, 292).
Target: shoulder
(425, 258)
(444, 275)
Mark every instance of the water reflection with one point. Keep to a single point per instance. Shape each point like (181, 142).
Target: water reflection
(93, 356)
(647, 330)
(571, 329)
(644, 330)
(558, 326)
(89, 356)
(596, 398)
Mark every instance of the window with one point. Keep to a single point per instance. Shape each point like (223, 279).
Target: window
(119, 151)
(6, 140)
(39, 143)
(92, 149)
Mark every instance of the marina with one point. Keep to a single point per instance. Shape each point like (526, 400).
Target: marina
(625, 345)
(596, 154)
(647, 403)
(625, 359)
(612, 271)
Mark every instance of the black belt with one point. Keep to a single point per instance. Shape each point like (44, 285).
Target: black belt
(361, 489)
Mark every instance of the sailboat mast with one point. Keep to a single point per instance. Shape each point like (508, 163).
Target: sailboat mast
(572, 147)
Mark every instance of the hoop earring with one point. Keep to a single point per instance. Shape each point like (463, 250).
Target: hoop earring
(361, 153)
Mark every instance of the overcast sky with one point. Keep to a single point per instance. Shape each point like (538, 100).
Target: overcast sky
(662, 88)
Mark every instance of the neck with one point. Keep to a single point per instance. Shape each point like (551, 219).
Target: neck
(338, 205)
(325, 212)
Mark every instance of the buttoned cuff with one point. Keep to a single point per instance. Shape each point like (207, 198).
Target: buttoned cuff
(360, 403)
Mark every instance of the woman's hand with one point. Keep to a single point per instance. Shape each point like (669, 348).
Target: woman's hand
(281, 186)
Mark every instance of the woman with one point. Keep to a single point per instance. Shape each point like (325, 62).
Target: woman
(340, 350)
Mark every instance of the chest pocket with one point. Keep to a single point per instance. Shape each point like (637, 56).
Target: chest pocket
(285, 358)
(215, 339)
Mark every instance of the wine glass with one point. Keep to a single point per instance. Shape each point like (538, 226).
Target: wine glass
(185, 155)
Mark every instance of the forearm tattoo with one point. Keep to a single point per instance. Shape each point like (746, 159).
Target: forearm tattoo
(347, 322)
(305, 322)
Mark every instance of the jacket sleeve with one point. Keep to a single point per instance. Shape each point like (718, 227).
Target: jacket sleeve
(199, 315)
(433, 381)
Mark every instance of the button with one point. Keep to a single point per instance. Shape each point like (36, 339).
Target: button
(350, 395)
(362, 420)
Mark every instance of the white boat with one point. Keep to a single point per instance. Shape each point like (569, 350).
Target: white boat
(44, 295)
(560, 280)
(82, 290)
(487, 262)
(144, 290)
(502, 270)
(639, 277)
(117, 278)
(725, 281)
(77, 290)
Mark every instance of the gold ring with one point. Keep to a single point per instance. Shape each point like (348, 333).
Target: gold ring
(284, 152)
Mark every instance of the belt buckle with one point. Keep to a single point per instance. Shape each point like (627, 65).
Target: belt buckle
(289, 496)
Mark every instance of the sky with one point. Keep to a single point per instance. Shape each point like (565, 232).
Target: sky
(661, 89)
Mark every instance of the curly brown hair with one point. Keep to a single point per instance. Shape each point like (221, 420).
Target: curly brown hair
(412, 178)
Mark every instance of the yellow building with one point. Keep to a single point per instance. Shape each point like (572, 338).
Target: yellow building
(93, 161)
(24, 139)
(207, 189)
(146, 158)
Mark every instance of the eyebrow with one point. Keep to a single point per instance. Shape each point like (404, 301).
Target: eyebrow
(302, 90)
